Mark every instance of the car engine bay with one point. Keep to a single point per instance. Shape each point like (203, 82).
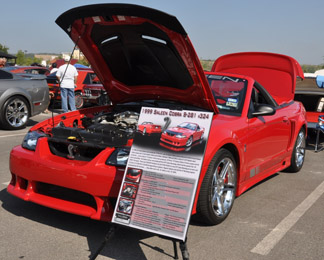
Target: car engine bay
(101, 131)
(93, 133)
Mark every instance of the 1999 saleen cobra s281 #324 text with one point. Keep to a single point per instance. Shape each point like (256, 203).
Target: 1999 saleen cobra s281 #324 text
(75, 162)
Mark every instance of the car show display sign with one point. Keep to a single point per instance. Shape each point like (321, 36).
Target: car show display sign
(162, 172)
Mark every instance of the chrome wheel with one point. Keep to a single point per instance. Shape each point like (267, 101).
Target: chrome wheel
(16, 113)
(300, 149)
(223, 187)
(189, 142)
(218, 189)
(79, 102)
(299, 152)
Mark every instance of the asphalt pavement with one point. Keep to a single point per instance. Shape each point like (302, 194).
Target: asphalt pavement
(280, 218)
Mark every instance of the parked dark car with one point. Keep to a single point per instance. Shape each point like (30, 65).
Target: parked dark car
(21, 97)
(312, 97)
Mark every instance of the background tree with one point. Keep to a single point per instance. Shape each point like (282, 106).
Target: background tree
(207, 64)
(26, 59)
(84, 62)
(4, 48)
(20, 57)
(311, 68)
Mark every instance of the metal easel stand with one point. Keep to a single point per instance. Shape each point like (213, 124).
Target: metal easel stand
(317, 148)
(111, 232)
(183, 249)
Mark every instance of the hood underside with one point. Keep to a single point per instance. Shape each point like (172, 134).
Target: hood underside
(276, 72)
(138, 53)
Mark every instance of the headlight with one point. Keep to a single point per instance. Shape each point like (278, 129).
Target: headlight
(119, 157)
(180, 136)
(30, 140)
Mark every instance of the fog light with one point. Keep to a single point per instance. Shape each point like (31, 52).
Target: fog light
(119, 157)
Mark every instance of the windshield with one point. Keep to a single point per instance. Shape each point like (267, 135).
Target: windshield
(228, 92)
(188, 126)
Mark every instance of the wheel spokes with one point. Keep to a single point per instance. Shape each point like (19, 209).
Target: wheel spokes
(229, 187)
(224, 171)
(220, 206)
(223, 187)
(16, 113)
(300, 149)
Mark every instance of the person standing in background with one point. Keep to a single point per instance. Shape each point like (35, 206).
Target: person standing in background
(67, 76)
(3, 62)
(54, 68)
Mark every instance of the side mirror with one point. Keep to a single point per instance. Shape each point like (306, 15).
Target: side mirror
(320, 81)
(263, 110)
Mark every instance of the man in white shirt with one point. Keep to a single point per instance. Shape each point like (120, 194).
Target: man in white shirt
(67, 76)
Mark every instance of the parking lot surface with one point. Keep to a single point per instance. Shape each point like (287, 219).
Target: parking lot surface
(280, 218)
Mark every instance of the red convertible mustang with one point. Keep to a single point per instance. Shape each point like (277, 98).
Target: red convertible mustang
(149, 128)
(75, 162)
(183, 135)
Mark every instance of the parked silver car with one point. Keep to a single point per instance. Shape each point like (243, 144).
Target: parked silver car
(21, 97)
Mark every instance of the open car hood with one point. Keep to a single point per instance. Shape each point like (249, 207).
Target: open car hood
(138, 53)
(276, 72)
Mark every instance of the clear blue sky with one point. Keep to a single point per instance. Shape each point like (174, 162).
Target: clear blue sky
(215, 27)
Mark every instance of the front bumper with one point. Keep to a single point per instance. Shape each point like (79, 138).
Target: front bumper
(174, 141)
(84, 188)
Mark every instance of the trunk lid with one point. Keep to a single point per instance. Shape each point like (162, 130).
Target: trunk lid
(276, 72)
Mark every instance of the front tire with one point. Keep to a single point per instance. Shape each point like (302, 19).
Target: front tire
(298, 154)
(218, 189)
(189, 142)
(15, 113)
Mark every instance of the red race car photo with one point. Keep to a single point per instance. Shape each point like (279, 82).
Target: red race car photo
(144, 58)
(183, 135)
(148, 128)
(133, 175)
(125, 206)
(129, 190)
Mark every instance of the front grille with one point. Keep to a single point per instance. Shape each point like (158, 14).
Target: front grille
(66, 194)
(171, 133)
(92, 92)
(87, 92)
(78, 151)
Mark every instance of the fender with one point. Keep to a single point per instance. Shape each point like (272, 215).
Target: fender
(16, 91)
(227, 139)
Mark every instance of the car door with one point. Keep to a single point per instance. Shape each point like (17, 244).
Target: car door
(268, 138)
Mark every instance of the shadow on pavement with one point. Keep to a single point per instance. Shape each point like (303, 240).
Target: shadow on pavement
(125, 244)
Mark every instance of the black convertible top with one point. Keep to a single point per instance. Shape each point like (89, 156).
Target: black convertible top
(66, 19)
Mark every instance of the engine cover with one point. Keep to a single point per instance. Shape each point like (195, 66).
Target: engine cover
(96, 134)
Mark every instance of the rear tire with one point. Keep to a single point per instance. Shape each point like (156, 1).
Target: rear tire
(217, 192)
(14, 113)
